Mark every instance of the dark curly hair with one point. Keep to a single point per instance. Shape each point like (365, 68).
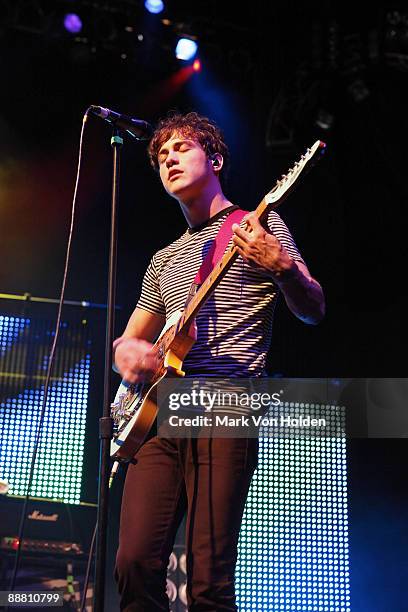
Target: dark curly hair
(194, 126)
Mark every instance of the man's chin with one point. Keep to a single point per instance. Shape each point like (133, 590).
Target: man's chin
(185, 191)
(180, 192)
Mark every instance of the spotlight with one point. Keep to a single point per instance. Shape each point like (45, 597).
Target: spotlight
(154, 6)
(197, 65)
(72, 23)
(186, 49)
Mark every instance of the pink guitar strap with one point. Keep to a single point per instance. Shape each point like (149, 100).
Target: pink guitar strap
(217, 249)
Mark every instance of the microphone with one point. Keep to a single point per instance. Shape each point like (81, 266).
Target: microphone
(135, 127)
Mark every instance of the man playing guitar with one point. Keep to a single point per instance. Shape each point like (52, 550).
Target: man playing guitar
(207, 478)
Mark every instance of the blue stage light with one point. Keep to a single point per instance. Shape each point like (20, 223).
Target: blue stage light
(154, 6)
(19, 417)
(293, 552)
(186, 49)
(72, 23)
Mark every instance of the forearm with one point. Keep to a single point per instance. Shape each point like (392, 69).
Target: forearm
(131, 348)
(303, 295)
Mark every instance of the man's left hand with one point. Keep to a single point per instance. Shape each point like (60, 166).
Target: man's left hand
(261, 249)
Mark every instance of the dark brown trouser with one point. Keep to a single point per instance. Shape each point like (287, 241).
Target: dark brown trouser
(207, 477)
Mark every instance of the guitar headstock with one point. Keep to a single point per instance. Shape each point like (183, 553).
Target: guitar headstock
(284, 185)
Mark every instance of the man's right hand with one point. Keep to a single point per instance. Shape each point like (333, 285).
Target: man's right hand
(136, 360)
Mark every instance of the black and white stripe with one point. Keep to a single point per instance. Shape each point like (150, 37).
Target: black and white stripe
(235, 324)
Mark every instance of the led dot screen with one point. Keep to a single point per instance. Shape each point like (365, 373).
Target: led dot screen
(25, 346)
(293, 549)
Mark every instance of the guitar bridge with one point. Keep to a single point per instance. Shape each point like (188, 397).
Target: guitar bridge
(123, 408)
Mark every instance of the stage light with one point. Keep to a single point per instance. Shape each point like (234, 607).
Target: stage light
(58, 473)
(197, 65)
(293, 547)
(154, 6)
(72, 23)
(186, 49)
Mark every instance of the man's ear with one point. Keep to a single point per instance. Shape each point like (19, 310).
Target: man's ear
(217, 161)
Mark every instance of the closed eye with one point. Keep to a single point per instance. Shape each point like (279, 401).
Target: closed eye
(182, 147)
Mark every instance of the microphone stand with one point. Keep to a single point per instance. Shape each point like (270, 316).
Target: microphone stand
(105, 422)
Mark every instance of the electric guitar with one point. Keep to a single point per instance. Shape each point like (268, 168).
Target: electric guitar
(134, 408)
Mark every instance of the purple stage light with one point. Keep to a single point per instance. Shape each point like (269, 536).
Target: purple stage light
(72, 23)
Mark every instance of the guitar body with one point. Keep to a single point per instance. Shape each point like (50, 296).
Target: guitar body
(134, 409)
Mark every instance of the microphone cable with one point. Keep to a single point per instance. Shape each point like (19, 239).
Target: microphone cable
(50, 365)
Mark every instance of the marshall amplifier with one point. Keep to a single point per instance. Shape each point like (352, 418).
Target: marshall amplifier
(50, 527)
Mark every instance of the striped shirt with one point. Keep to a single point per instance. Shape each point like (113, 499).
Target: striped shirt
(235, 324)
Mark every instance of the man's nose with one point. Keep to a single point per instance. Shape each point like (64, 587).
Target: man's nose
(172, 158)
